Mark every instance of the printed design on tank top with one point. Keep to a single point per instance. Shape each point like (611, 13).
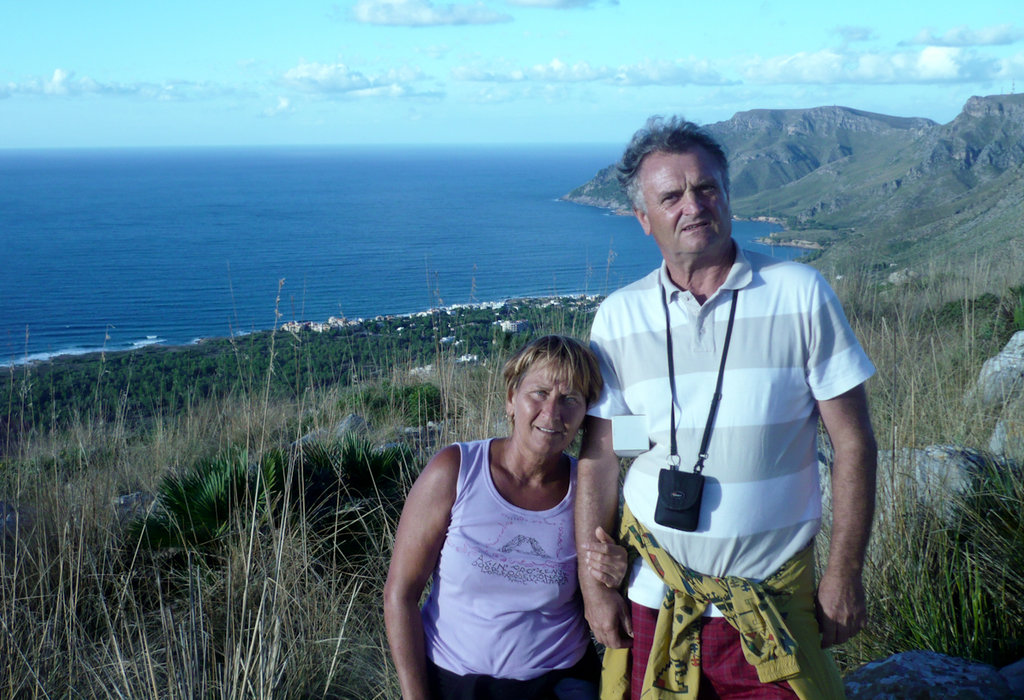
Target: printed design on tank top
(516, 545)
(523, 558)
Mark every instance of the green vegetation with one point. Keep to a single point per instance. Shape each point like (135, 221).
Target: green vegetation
(155, 381)
(312, 482)
(415, 404)
(259, 570)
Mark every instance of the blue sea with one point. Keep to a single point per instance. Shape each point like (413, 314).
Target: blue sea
(115, 249)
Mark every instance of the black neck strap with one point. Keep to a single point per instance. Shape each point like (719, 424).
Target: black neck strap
(715, 399)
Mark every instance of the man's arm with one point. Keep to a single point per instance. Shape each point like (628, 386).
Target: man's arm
(841, 606)
(597, 500)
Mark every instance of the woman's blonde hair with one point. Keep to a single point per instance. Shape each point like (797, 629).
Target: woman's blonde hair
(572, 361)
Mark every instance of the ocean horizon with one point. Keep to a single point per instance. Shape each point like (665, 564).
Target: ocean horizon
(118, 249)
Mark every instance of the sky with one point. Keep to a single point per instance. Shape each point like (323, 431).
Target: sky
(122, 73)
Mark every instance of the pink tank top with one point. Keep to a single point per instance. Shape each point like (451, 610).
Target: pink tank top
(504, 600)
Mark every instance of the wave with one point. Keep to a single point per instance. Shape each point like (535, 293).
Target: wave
(148, 340)
(35, 357)
(47, 356)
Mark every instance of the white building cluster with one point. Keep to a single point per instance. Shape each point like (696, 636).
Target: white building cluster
(332, 323)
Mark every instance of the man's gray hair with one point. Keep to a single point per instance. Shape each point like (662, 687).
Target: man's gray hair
(674, 135)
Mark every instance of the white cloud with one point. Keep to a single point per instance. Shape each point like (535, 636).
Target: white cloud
(851, 34)
(1012, 68)
(319, 77)
(339, 79)
(494, 95)
(679, 72)
(553, 4)
(962, 36)
(283, 106)
(434, 51)
(65, 83)
(558, 72)
(929, 65)
(423, 13)
(513, 93)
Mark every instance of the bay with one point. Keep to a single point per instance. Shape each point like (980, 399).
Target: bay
(115, 249)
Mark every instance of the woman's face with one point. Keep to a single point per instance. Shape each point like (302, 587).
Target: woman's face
(546, 411)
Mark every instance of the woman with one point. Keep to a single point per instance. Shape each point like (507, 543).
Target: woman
(492, 522)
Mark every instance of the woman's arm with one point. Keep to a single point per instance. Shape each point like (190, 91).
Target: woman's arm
(421, 533)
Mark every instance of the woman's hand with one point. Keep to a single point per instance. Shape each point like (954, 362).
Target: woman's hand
(606, 561)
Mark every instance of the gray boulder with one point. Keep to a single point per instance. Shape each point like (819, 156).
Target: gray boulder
(352, 424)
(926, 675)
(1014, 675)
(137, 504)
(933, 474)
(1002, 377)
(1007, 438)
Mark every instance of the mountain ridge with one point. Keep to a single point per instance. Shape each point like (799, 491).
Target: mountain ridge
(872, 188)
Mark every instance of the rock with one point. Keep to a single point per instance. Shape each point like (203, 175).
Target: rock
(353, 425)
(1002, 377)
(422, 439)
(934, 474)
(926, 675)
(904, 276)
(15, 523)
(137, 504)
(1014, 676)
(1007, 438)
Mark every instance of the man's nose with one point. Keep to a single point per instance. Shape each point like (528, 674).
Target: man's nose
(691, 204)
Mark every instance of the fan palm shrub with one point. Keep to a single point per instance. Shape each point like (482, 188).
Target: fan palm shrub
(334, 487)
(196, 506)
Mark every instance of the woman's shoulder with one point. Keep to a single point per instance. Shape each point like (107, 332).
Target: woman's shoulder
(445, 463)
(440, 477)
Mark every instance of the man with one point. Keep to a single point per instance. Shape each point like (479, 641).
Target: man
(729, 609)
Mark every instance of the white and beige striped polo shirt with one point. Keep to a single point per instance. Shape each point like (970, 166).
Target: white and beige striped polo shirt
(791, 346)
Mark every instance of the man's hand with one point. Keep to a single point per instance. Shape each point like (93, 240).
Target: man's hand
(840, 608)
(608, 615)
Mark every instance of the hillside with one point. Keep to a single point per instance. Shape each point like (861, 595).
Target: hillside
(873, 188)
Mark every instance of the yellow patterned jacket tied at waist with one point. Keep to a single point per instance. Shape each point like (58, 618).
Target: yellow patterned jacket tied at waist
(775, 619)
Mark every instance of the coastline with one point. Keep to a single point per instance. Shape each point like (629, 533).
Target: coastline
(789, 242)
(776, 238)
(332, 324)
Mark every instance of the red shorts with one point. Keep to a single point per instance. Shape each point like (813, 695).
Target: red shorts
(725, 672)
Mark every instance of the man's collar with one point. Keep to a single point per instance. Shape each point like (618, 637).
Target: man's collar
(740, 275)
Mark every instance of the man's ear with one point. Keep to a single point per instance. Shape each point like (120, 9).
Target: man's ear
(645, 222)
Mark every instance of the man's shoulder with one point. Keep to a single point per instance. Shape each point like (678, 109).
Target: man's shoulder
(779, 268)
(633, 292)
(627, 309)
(785, 277)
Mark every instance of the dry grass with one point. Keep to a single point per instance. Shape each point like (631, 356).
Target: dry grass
(276, 611)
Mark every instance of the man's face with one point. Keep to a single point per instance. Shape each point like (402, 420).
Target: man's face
(687, 206)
